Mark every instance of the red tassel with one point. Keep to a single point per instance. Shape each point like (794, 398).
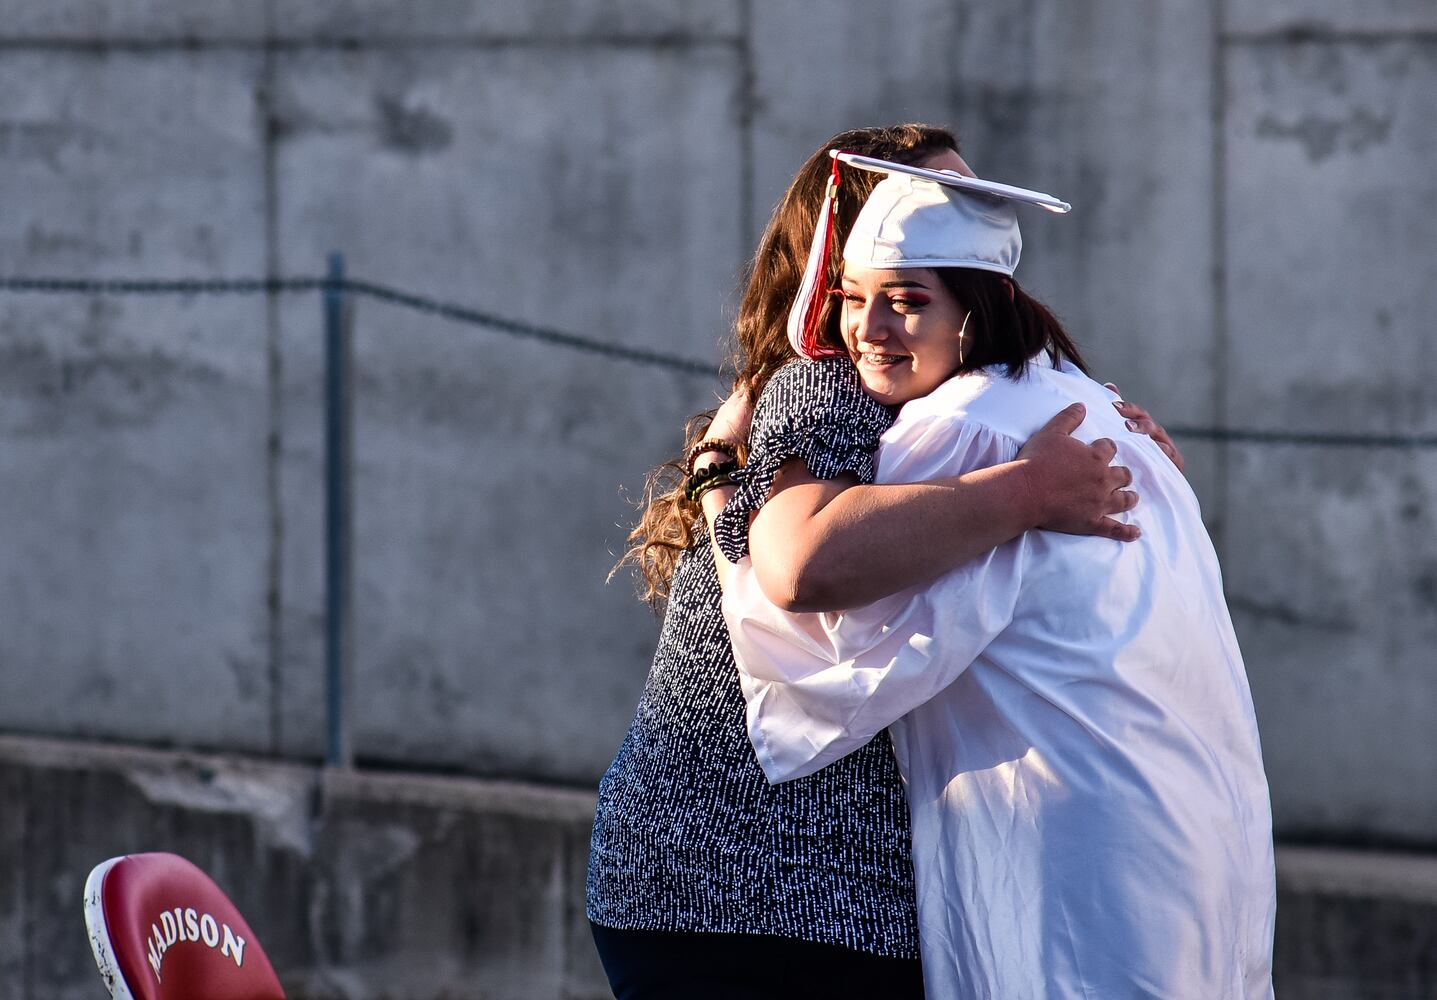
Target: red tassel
(812, 344)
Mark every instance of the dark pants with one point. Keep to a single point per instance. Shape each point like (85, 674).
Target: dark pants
(670, 965)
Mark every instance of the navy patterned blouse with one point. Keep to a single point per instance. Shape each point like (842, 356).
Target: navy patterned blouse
(689, 836)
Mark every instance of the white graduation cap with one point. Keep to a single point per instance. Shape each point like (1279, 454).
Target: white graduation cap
(915, 217)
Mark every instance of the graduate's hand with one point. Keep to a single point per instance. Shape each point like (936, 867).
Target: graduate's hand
(1075, 488)
(732, 419)
(1140, 422)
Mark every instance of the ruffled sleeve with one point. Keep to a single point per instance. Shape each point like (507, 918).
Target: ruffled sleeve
(815, 411)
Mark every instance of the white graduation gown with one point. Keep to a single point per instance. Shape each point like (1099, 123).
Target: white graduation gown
(1071, 716)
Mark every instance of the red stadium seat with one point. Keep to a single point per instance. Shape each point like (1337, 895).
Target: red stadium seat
(162, 930)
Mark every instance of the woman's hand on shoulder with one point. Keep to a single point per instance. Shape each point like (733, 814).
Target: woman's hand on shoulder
(1074, 486)
(1141, 422)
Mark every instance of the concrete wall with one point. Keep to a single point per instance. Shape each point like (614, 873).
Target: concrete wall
(1253, 247)
(358, 887)
(163, 538)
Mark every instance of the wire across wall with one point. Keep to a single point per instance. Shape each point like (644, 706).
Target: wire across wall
(364, 289)
(565, 340)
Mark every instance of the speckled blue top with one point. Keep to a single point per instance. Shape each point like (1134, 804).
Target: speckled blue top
(689, 835)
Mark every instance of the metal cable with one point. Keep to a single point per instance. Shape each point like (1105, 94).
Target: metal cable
(1224, 435)
(572, 341)
(163, 286)
(529, 331)
(369, 289)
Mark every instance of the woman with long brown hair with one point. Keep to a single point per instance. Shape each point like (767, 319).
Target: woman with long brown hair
(704, 880)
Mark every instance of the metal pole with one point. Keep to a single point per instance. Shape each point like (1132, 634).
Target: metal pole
(338, 495)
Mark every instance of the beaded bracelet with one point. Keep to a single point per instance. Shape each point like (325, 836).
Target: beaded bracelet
(698, 483)
(722, 479)
(710, 444)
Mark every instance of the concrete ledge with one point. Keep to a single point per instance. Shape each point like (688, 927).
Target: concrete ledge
(1356, 924)
(367, 885)
(359, 885)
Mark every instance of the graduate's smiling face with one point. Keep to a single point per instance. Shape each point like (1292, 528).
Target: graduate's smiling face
(903, 329)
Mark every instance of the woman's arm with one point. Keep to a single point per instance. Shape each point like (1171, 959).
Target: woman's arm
(731, 422)
(712, 503)
(818, 686)
(825, 545)
(840, 544)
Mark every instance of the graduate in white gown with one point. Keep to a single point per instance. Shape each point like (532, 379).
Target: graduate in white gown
(1071, 714)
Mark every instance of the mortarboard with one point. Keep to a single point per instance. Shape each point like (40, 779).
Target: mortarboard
(915, 217)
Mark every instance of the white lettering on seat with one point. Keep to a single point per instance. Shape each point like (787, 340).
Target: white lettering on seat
(188, 924)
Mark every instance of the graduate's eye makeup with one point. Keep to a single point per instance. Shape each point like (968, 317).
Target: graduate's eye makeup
(909, 302)
(901, 296)
(906, 296)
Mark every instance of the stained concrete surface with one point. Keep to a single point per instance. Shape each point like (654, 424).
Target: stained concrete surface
(135, 430)
(1331, 558)
(488, 470)
(1322, 295)
(1297, 19)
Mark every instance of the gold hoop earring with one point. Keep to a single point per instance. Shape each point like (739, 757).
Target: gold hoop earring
(961, 330)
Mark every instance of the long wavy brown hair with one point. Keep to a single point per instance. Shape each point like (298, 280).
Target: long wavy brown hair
(670, 523)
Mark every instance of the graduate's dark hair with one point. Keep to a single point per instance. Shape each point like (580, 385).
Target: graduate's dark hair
(670, 523)
(1008, 326)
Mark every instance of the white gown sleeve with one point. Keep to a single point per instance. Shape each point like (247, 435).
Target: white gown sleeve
(819, 686)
